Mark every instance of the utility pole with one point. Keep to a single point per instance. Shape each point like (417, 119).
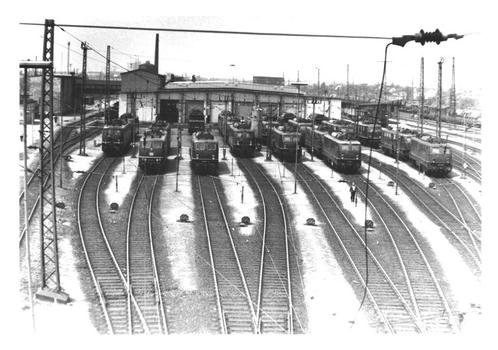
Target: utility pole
(68, 48)
(347, 83)
(313, 128)
(318, 83)
(298, 84)
(452, 110)
(397, 146)
(440, 95)
(50, 288)
(107, 102)
(421, 114)
(84, 47)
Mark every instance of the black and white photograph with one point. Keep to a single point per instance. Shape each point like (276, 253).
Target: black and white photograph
(253, 168)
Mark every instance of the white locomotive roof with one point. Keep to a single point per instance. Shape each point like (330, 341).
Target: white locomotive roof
(342, 142)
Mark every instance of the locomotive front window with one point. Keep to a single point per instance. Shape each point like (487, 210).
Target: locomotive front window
(211, 146)
(436, 151)
(355, 148)
(287, 139)
(200, 146)
(157, 144)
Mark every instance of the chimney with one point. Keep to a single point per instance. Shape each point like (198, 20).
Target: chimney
(156, 54)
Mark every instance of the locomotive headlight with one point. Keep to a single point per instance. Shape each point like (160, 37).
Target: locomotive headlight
(212, 157)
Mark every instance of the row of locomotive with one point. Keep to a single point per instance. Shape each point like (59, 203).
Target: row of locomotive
(333, 140)
(154, 147)
(427, 153)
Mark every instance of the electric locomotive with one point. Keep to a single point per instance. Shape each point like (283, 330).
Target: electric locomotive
(196, 121)
(118, 134)
(298, 125)
(344, 126)
(342, 153)
(315, 137)
(389, 141)
(367, 135)
(204, 152)
(241, 139)
(285, 143)
(154, 147)
(431, 154)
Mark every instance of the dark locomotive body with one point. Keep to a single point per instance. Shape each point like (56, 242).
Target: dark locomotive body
(196, 121)
(263, 133)
(365, 135)
(285, 143)
(299, 125)
(431, 155)
(315, 138)
(344, 126)
(204, 152)
(241, 139)
(342, 153)
(389, 142)
(118, 135)
(154, 147)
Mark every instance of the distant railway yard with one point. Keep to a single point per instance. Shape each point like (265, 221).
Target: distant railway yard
(175, 233)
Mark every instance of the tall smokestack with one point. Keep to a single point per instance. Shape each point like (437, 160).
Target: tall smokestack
(156, 54)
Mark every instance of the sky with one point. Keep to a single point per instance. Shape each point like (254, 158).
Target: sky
(243, 56)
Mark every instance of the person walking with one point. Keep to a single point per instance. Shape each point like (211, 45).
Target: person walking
(352, 190)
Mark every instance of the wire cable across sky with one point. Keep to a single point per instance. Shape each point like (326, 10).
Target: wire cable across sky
(209, 31)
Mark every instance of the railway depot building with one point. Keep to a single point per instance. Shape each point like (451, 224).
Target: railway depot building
(148, 95)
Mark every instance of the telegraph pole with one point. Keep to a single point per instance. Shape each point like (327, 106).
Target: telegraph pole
(107, 100)
(421, 114)
(298, 84)
(347, 83)
(84, 47)
(68, 48)
(440, 95)
(313, 128)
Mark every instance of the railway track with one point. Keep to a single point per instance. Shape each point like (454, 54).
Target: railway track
(142, 272)
(463, 207)
(452, 226)
(251, 274)
(382, 278)
(34, 180)
(430, 302)
(234, 303)
(121, 312)
(276, 311)
(473, 165)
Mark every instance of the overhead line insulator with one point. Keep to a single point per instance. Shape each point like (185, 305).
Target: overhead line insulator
(424, 37)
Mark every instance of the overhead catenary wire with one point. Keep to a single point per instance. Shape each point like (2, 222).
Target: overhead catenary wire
(137, 73)
(210, 31)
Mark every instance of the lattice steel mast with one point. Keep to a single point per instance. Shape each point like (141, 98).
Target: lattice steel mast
(50, 287)
(452, 110)
(84, 47)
